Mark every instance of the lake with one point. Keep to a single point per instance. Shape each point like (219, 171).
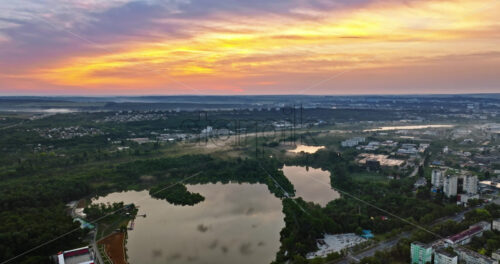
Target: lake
(312, 185)
(237, 223)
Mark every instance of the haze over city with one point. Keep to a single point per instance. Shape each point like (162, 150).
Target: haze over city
(124, 47)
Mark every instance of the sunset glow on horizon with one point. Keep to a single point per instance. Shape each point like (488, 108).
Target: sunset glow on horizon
(229, 47)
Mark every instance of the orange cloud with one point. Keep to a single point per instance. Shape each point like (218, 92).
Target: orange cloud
(228, 48)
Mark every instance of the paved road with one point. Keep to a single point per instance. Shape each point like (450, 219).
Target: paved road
(10, 126)
(415, 171)
(370, 252)
(96, 249)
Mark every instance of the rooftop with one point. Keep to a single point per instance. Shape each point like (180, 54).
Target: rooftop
(446, 253)
(76, 256)
(465, 234)
(472, 253)
(420, 244)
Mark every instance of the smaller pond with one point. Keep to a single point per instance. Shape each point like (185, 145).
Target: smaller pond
(306, 149)
(313, 185)
(387, 128)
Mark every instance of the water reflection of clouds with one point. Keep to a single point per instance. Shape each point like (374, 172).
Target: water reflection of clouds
(156, 253)
(174, 256)
(217, 196)
(230, 227)
(307, 186)
(246, 248)
(202, 228)
(250, 211)
(192, 258)
(214, 244)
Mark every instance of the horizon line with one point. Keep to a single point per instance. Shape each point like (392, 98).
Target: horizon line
(243, 95)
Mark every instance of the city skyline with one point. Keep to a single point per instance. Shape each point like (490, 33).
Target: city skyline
(199, 47)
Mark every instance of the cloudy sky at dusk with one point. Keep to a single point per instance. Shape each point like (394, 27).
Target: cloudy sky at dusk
(104, 47)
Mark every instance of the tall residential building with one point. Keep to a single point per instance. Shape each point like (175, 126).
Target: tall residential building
(470, 184)
(437, 178)
(444, 257)
(496, 224)
(420, 253)
(450, 185)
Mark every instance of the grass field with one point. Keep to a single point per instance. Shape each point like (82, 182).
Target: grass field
(369, 176)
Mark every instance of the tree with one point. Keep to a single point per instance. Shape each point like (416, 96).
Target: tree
(340, 177)
(420, 171)
(359, 230)
(298, 259)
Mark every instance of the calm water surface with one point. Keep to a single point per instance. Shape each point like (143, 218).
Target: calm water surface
(387, 128)
(306, 149)
(312, 185)
(237, 223)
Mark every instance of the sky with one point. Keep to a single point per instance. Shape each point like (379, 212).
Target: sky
(123, 47)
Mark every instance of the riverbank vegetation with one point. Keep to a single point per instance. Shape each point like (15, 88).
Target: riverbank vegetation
(176, 194)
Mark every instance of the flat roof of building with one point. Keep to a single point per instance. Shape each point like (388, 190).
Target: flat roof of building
(76, 256)
(446, 253)
(420, 244)
(472, 253)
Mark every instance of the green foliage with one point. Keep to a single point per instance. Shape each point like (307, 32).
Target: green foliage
(176, 194)
(304, 223)
(478, 215)
(96, 211)
(26, 228)
(210, 170)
